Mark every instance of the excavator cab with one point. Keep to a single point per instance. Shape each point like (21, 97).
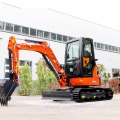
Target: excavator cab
(80, 62)
(79, 59)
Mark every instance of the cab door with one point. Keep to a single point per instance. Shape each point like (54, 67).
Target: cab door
(88, 61)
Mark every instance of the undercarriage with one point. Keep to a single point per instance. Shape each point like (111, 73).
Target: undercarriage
(79, 94)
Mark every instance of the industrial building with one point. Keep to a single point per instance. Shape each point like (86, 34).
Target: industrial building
(55, 28)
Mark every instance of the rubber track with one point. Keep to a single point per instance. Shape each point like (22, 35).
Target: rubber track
(103, 94)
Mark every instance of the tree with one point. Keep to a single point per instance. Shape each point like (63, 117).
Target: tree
(51, 81)
(106, 76)
(38, 85)
(25, 80)
(101, 69)
(103, 74)
(45, 77)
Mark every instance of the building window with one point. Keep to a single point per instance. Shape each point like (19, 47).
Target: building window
(110, 47)
(115, 72)
(47, 35)
(113, 48)
(98, 45)
(64, 38)
(6, 69)
(1, 25)
(119, 49)
(95, 44)
(59, 37)
(40, 33)
(32, 32)
(17, 28)
(53, 36)
(106, 47)
(102, 46)
(9, 27)
(70, 38)
(21, 63)
(116, 49)
(25, 30)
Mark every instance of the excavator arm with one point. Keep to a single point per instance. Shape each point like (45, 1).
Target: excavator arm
(41, 47)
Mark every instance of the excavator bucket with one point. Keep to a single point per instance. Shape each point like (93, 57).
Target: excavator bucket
(6, 90)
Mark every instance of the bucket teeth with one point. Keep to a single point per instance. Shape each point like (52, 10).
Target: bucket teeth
(4, 101)
(6, 91)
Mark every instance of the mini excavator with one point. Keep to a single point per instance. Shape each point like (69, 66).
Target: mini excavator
(78, 78)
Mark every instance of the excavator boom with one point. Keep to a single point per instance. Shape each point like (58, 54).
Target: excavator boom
(41, 47)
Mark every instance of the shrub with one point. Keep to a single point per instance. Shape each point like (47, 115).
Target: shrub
(25, 80)
(45, 78)
(114, 85)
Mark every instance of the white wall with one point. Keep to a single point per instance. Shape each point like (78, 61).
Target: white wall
(58, 49)
(108, 59)
(47, 20)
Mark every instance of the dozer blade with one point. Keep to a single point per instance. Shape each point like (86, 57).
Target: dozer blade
(57, 95)
(6, 91)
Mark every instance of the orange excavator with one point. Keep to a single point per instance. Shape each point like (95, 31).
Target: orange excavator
(77, 78)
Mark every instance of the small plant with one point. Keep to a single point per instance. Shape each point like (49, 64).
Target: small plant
(101, 69)
(106, 76)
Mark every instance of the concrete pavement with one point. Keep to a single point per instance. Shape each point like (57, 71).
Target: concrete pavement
(33, 108)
